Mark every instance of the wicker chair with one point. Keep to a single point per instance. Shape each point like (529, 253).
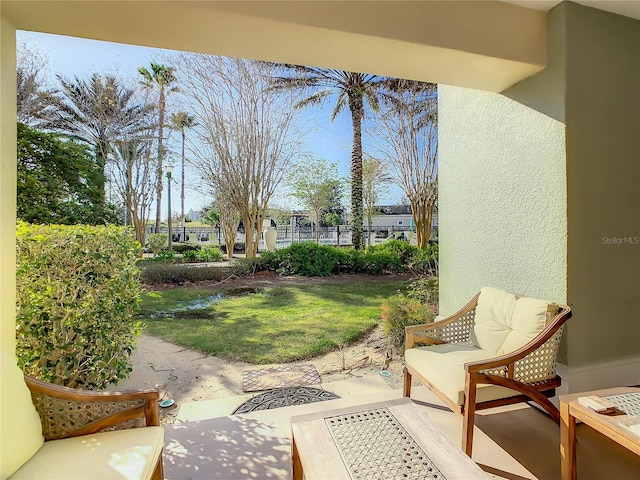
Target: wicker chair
(468, 378)
(66, 413)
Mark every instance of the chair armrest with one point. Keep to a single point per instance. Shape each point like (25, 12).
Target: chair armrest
(67, 412)
(545, 343)
(453, 329)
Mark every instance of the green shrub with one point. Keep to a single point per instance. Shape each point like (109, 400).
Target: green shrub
(157, 241)
(78, 290)
(185, 247)
(270, 259)
(401, 249)
(158, 273)
(425, 262)
(371, 260)
(376, 262)
(350, 260)
(308, 259)
(164, 256)
(210, 254)
(190, 256)
(400, 311)
(425, 290)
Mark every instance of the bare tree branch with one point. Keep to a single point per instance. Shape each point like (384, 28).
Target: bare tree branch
(409, 145)
(247, 133)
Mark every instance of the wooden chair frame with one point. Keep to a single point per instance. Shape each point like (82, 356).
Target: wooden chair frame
(501, 370)
(101, 410)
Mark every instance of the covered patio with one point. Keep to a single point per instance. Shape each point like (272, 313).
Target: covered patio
(538, 134)
(516, 442)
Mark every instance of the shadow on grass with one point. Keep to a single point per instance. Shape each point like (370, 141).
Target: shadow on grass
(277, 325)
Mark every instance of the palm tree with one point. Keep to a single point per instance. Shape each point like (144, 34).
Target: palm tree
(97, 112)
(417, 99)
(180, 121)
(160, 77)
(352, 90)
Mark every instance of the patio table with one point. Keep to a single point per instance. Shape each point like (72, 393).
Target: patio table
(394, 439)
(617, 427)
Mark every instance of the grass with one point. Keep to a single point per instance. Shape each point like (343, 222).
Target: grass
(276, 325)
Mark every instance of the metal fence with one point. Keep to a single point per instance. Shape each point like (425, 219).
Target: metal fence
(339, 235)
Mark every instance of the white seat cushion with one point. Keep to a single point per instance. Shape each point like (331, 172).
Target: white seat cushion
(443, 366)
(505, 322)
(124, 454)
(21, 428)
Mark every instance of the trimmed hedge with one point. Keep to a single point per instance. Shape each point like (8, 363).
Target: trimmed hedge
(159, 272)
(371, 260)
(311, 259)
(303, 259)
(306, 259)
(243, 267)
(78, 291)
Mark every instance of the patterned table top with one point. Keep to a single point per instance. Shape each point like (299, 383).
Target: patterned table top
(373, 444)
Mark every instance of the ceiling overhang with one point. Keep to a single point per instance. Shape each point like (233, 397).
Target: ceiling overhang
(483, 45)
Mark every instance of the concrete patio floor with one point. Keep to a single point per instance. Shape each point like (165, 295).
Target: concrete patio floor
(515, 443)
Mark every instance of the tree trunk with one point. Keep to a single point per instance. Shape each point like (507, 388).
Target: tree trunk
(182, 188)
(99, 179)
(139, 228)
(247, 220)
(229, 226)
(229, 229)
(357, 112)
(161, 107)
(423, 218)
(256, 238)
(128, 200)
(317, 223)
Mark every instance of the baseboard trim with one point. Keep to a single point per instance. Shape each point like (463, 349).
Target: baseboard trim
(616, 373)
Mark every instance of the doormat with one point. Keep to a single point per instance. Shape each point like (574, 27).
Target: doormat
(279, 377)
(284, 397)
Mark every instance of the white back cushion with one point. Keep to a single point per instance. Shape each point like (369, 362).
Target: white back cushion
(528, 320)
(505, 322)
(21, 430)
(493, 319)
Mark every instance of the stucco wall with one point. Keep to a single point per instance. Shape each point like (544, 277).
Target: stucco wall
(603, 161)
(504, 154)
(20, 430)
(502, 199)
(7, 183)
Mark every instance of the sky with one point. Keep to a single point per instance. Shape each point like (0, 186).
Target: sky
(70, 56)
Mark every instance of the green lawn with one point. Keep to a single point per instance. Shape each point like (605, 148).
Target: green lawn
(276, 325)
